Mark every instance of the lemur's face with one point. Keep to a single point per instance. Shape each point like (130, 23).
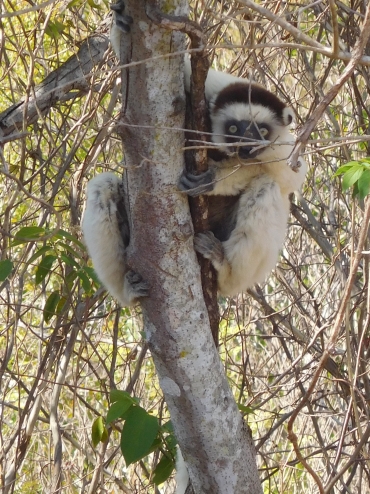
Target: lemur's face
(249, 136)
(243, 126)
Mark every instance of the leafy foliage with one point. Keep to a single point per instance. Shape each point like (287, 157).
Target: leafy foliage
(141, 434)
(356, 174)
(63, 345)
(5, 269)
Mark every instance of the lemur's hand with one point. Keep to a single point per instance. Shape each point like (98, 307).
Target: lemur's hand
(195, 185)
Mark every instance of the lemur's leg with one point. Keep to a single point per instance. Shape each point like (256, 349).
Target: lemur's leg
(106, 233)
(211, 248)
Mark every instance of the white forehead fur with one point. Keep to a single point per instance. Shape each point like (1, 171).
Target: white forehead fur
(242, 111)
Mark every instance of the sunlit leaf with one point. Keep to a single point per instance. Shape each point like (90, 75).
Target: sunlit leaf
(246, 410)
(342, 169)
(73, 3)
(54, 29)
(351, 176)
(94, 5)
(29, 234)
(99, 432)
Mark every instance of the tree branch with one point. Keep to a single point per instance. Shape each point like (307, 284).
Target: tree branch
(71, 79)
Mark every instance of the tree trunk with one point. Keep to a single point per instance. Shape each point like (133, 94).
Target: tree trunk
(215, 444)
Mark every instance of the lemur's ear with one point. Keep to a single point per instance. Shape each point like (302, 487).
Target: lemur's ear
(288, 116)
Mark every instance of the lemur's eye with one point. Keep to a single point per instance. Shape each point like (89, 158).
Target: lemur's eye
(263, 131)
(233, 129)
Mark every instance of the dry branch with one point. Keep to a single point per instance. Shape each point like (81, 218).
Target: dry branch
(70, 80)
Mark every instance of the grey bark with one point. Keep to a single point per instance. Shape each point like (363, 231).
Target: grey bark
(210, 430)
(218, 450)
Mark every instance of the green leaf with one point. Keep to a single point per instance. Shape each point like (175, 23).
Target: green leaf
(365, 162)
(94, 5)
(39, 253)
(86, 285)
(91, 273)
(246, 410)
(63, 234)
(54, 29)
(70, 249)
(51, 305)
(61, 304)
(138, 433)
(44, 268)
(6, 267)
(364, 184)
(73, 3)
(351, 176)
(163, 470)
(69, 260)
(342, 169)
(117, 410)
(99, 432)
(167, 427)
(29, 234)
(156, 444)
(116, 395)
(171, 442)
(70, 278)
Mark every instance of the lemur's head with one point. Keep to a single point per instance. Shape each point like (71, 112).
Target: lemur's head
(248, 114)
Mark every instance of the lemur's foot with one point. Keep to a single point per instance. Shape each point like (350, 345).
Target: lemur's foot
(136, 283)
(210, 247)
(122, 20)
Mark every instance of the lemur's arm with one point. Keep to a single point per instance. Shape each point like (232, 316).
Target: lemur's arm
(226, 178)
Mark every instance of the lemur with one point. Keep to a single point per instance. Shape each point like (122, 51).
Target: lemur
(248, 181)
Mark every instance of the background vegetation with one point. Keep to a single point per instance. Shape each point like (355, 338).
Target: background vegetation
(64, 344)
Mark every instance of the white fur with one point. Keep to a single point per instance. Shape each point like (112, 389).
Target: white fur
(103, 238)
(252, 250)
(280, 136)
(115, 38)
(182, 476)
(264, 183)
(215, 81)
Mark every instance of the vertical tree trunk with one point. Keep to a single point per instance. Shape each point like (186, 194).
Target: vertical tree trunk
(210, 430)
